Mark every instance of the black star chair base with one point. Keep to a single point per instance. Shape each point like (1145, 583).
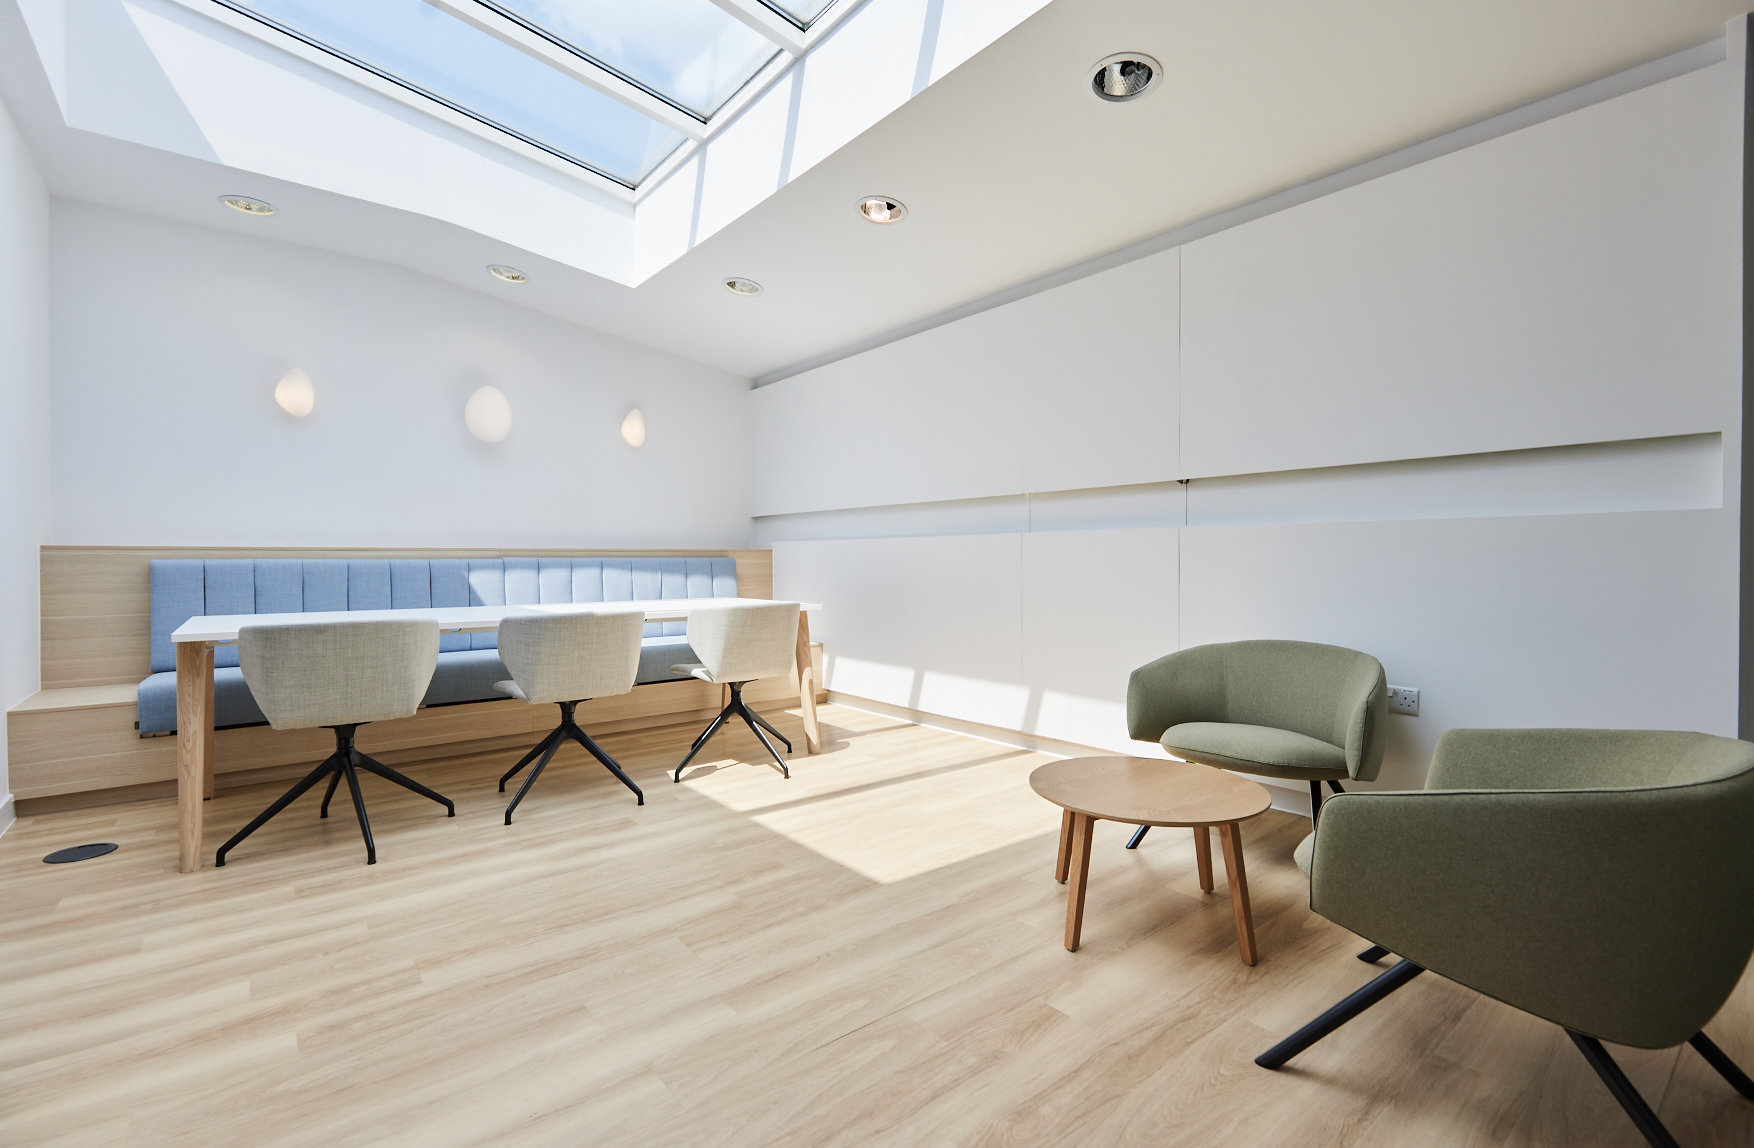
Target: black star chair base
(340, 676)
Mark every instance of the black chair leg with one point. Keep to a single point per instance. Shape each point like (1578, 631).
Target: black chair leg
(1335, 786)
(584, 739)
(1321, 1026)
(1373, 954)
(291, 795)
(1640, 1112)
(1315, 802)
(365, 825)
(388, 774)
(531, 780)
(334, 780)
(701, 741)
(768, 726)
(534, 753)
(1726, 1067)
(784, 771)
(1139, 835)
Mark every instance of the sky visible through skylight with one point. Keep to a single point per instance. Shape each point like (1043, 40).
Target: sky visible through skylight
(689, 52)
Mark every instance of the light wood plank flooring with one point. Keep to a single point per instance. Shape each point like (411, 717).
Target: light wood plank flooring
(867, 954)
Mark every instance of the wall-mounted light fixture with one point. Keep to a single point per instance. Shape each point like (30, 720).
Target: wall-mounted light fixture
(488, 414)
(633, 428)
(294, 393)
(247, 205)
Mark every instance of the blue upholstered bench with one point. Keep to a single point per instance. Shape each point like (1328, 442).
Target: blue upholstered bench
(468, 664)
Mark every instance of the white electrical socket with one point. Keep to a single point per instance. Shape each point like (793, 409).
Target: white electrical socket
(1403, 700)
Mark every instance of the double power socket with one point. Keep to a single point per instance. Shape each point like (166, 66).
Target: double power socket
(1403, 700)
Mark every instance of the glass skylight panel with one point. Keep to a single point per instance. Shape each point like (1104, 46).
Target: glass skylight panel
(803, 13)
(690, 52)
(419, 47)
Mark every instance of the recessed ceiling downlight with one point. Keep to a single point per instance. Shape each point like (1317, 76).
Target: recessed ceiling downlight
(247, 205)
(738, 286)
(509, 274)
(1124, 76)
(882, 209)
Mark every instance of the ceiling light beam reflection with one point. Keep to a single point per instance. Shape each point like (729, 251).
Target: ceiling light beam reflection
(545, 51)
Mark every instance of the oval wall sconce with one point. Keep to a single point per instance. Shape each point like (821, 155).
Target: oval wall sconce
(488, 414)
(294, 393)
(633, 428)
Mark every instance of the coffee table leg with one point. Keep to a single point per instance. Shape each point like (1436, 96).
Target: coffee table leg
(1065, 846)
(1231, 836)
(1203, 855)
(1079, 877)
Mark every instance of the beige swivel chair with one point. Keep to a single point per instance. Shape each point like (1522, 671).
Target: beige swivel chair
(1598, 879)
(1296, 710)
(339, 675)
(736, 645)
(567, 659)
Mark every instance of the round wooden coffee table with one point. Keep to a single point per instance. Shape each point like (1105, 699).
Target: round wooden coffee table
(1151, 791)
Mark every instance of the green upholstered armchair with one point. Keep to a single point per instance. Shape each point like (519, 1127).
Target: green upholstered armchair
(1599, 879)
(1279, 709)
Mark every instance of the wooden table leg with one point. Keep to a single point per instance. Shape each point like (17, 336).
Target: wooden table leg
(1203, 855)
(194, 739)
(1078, 877)
(807, 686)
(1231, 836)
(1065, 846)
(207, 735)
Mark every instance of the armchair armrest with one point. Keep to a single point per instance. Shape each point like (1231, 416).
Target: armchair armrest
(1619, 913)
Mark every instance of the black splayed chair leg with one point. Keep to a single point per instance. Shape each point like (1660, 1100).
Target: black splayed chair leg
(291, 795)
(1373, 954)
(1726, 1067)
(756, 723)
(1138, 836)
(334, 780)
(1628, 1096)
(388, 774)
(534, 753)
(1321, 1026)
(596, 750)
(541, 764)
(365, 825)
(1315, 802)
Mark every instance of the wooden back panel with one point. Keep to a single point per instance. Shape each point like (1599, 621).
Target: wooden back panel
(97, 600)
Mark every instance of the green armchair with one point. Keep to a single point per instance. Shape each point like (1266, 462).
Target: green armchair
(1599, 879)
(1275, 708)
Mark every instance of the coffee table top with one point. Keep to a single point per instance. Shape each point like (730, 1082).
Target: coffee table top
(1150, 791)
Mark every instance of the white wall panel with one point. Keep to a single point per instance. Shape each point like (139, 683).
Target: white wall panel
(24, 426)
(1074, 387)
(1605, 620)
(1576, 281)
(168, 339)
(1097, 604)
(929, 623)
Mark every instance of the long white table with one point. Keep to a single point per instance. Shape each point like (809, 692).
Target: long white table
(196, 638)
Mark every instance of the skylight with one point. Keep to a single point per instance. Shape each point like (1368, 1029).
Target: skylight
(689, 53)
(803, 13)
(421, 48)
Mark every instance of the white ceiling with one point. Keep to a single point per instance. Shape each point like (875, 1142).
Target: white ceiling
(1010, 167)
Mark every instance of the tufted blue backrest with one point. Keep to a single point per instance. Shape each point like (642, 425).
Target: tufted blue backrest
(183, 588)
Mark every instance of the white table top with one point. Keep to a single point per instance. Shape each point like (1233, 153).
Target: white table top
(222, 628)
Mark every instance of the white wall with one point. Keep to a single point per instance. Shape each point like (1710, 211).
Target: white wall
(24, 428)
(169, 338)
(1479, 417)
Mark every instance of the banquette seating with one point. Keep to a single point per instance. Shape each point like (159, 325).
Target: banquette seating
(468, 664)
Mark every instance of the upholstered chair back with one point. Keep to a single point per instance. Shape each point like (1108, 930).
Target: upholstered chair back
(1600, 879)
(572, 657)
(338, 673)
(743, 643)
(1328, 693)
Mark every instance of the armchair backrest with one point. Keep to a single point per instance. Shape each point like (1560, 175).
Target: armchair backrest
(1329, 693)
(1581, 759)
